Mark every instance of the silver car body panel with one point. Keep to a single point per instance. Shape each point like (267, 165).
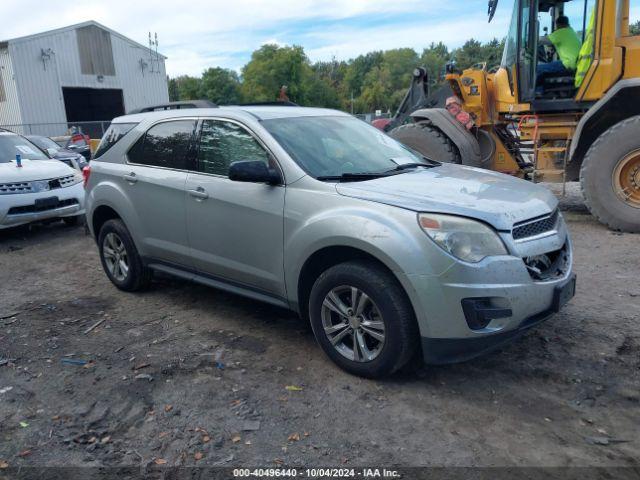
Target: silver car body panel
(254, 239)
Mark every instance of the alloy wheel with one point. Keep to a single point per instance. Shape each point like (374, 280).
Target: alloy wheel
(115, 256)
(353, 324)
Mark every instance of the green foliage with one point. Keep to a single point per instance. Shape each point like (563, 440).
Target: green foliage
(220, 85)
(184, 88)
(634, 28)
(271, 67)
(434, 58)
(373, 81)
(474, 52)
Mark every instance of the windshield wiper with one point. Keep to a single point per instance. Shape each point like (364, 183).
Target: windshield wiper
(353, 176)
(409, 166)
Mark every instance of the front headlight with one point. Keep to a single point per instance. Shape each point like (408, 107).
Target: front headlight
(466, 239)
(77, 177)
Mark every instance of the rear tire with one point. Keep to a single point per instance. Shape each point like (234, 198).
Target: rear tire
(117, 248)
(610, 177)
(384, 321)
(428, 141)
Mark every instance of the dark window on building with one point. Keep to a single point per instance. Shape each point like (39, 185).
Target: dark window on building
(96, 53)
(165, 145)
(222, 143)
(3, 94)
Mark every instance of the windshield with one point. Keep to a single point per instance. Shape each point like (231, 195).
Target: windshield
(44, 142)
(510, 53)
(335, 146)
(12, 144)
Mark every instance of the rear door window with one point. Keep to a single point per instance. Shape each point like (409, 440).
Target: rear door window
(222, 143)
(167, 144)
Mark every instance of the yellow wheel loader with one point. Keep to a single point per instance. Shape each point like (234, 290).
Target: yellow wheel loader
(580, 123)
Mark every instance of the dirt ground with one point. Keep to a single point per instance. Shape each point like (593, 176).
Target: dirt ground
(188, 375)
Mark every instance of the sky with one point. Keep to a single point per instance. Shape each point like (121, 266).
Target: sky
(198, 34)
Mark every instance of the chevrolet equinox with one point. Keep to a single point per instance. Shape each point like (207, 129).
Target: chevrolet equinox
(390, 255)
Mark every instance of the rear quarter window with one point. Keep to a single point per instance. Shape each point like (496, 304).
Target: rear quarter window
(114, 133)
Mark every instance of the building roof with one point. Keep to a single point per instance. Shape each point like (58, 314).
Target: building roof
(4, 43)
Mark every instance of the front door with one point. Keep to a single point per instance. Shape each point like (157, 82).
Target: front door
(235, 229)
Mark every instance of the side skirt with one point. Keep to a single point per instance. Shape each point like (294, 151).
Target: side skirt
(216, 282)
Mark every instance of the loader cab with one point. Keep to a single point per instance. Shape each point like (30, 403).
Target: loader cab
(539, 74)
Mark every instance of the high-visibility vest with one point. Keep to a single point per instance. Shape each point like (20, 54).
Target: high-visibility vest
(585, 58)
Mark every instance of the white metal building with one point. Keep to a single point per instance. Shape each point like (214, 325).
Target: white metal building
(84, 72)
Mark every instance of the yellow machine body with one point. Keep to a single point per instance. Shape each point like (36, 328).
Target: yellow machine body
(494, 101)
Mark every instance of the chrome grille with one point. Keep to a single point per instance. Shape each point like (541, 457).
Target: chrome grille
(18, 187)
(535, 226)
(37, 185)
(66, 181)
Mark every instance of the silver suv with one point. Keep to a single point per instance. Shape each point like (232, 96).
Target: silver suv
(390, 255)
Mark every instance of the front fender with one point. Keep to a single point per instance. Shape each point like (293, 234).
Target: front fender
(464, 140)
(389, 234)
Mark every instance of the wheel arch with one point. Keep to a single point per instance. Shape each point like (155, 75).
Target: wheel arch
(463, 140)
(620, 103)
(327, 257)
(100, 216)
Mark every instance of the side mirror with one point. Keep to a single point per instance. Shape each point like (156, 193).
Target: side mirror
(254, 172)
(52, 152)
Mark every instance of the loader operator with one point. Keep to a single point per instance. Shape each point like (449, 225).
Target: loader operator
(567, 44)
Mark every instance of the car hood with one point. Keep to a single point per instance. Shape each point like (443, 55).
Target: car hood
(66, 154)
(33, 170)
(497, 199)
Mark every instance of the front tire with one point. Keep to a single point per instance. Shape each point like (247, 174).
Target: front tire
(120, 259)
(363, 320)
(610, 177)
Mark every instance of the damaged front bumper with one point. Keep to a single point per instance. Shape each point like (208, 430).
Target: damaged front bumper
(471, 309)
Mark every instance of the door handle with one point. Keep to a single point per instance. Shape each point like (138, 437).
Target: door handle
(130, 177)
(199, 193)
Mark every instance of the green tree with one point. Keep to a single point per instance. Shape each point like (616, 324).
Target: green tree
(492, 52)
(220, 85)
(174, 94)
(357, 70)
(634, 28)
(376, 90)
(329, 88)
(185, 88)
(271, 67)
(469, 54)
(434, 58)
(400, 63)
(321, 92)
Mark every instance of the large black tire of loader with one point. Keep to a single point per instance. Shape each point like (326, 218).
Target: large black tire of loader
(600, 167)
(428, 141)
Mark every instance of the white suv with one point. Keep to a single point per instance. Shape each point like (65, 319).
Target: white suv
(39, 189)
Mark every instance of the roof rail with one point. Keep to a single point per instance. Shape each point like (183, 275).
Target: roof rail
(286, 103)
(176, 106)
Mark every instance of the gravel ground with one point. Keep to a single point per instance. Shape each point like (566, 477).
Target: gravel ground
(188, 375)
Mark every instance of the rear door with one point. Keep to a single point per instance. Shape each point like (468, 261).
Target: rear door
(235, 228)
(154, 180)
